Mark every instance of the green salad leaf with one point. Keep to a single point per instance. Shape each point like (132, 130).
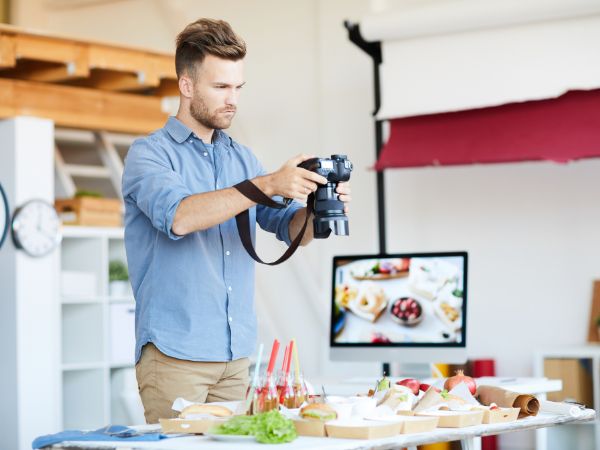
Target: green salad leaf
(273, 428)
(238, 425)
(402, 397)
(268, 428)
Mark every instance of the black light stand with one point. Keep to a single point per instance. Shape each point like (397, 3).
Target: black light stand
(373, 49)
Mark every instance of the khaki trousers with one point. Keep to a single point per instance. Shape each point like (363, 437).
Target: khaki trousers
(161, 379)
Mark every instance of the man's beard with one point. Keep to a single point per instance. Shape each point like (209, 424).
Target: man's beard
(214, 121)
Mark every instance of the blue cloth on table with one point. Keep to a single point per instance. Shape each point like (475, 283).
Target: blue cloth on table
(109, 433)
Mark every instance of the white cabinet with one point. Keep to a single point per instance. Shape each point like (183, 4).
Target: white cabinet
(97, 333)
(585, 435)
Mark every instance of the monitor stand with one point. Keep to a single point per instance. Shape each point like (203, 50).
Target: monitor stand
(419, 371)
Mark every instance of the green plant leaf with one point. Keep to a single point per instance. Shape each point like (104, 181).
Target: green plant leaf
(117, 271)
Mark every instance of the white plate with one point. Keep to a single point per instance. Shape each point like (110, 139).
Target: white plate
(230, 437)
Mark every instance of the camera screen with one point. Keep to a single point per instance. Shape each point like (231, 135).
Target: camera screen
(399, 299)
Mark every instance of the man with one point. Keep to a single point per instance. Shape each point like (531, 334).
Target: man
(193, 281)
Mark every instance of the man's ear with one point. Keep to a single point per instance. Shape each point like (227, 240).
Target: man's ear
(186, 86)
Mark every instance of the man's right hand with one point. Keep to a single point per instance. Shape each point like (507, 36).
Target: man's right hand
(291, 181)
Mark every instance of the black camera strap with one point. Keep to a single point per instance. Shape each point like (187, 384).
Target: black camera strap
(249, 190)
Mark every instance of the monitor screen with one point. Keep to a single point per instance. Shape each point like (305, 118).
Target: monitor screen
(399, 301)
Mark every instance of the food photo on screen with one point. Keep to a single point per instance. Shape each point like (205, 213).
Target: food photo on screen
(399, 299)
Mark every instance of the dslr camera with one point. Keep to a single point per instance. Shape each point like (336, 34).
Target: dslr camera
(328, 209)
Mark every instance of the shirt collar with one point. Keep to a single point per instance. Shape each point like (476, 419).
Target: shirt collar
(180, 132)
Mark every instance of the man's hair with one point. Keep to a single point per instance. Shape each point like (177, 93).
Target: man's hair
(206, 36)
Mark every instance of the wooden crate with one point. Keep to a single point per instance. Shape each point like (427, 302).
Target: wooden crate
(90, 211)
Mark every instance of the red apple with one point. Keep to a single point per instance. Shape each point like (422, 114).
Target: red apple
(424, 387)
(410, 383)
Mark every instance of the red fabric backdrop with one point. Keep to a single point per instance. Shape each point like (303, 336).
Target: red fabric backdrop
(560, 129)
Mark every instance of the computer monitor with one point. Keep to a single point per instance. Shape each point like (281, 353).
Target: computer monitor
(405, 308)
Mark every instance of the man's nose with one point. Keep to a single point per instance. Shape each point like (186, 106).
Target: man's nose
(232, 97)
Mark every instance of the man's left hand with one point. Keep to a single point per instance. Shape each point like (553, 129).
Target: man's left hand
(343, 190)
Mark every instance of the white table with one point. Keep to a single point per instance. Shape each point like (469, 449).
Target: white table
(465, 435)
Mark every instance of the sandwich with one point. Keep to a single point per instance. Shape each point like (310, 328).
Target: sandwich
(398, 398)
(318, 411)
(205, 409)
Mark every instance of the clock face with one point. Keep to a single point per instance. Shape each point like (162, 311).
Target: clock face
(4, 215)
(36, 228)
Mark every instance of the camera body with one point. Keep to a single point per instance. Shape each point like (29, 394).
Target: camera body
(328, 209)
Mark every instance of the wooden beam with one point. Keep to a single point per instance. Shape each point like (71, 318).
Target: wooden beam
(167, 88)
(150, 68)
(41, 48)
(48, 72)
(137, 69)
(110, 80)
(7, 51)
(82, 108)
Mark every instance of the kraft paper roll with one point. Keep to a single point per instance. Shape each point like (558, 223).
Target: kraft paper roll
(528, 404)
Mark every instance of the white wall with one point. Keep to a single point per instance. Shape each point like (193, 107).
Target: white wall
(531, 228)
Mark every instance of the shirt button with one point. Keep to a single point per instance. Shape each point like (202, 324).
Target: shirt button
(229, 288)
(191, 141)
(205, 153)
(228, 253)
(230, 319)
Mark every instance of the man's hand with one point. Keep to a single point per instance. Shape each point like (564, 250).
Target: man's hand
(343, 190)
(291, 181)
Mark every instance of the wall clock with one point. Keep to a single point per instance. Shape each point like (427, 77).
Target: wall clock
(36, 228)
(4, 215)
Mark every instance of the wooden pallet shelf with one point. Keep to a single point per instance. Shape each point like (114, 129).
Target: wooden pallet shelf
(75, 107)
(84, 84)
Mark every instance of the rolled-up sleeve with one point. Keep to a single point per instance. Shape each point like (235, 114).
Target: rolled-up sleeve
(274, 220)
(277, 220)
(152, 184)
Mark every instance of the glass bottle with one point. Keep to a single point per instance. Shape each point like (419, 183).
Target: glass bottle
(266, 398)
(287, 395)
(300, 389)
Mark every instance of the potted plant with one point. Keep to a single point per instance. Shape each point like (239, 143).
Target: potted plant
(118, 278)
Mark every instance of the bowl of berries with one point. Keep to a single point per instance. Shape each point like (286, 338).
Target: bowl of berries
(406, 311)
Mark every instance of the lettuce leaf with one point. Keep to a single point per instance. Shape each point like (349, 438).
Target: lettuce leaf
(273, 428)
(238, 425)
(268, 428)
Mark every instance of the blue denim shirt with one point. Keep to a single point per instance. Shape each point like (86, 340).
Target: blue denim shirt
(195, 293)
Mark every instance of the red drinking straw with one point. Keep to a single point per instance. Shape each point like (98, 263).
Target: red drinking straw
(289, 359)
(285, 358)
(274, 351)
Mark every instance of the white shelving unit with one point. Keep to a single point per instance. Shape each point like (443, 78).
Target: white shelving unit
(585, 435)
(97, 333)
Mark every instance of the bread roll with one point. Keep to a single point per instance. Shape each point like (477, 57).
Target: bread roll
(318, 411)
(206, 408)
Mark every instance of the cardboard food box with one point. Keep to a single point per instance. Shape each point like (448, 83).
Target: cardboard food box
(306, 427)
(418, 424)
(362, 429)
(455, 419)
(104, 212)
(192, 426)
(500, 415)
